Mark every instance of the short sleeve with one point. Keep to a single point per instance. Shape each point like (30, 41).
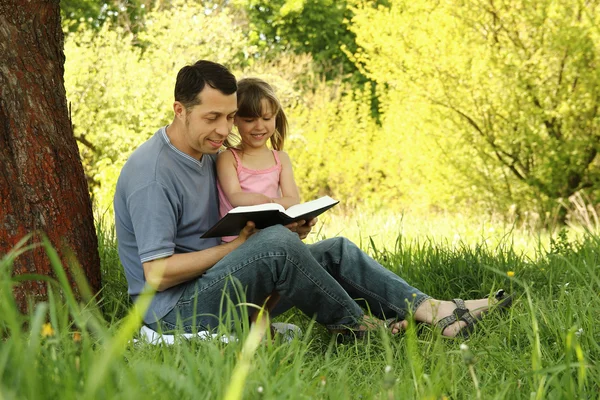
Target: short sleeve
(154, 220)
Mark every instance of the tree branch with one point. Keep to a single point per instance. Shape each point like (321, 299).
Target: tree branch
(82, 139)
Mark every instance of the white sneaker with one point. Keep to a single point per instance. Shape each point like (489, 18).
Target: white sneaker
(153, 337)
(289, 331)
(150, 336)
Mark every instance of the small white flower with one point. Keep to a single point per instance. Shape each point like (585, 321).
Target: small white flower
(260, 389)
(388, 369)
(464, 347)
(579, 332)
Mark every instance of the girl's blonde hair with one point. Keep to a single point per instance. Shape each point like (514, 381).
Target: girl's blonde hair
(250, 93)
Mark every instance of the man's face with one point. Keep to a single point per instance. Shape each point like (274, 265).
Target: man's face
(208, 124)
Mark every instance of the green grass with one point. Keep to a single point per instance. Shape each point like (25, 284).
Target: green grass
(545, 347)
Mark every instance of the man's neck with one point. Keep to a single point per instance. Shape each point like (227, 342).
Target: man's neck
(175, 135)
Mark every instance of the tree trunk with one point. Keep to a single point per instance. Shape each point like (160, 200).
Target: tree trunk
(42, 184)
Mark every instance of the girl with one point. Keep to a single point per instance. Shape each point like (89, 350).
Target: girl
(250, 172)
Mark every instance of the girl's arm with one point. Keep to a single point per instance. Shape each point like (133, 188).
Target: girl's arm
(230, 183)
(290, 194)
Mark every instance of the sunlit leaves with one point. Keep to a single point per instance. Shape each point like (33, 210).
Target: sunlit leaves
(120, 84)
(517, 81)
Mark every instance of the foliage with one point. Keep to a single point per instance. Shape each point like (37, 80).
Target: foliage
(119, 84)
(127, 14)
(466, 117)
(513, 86)
(316, 27)
(338, 149)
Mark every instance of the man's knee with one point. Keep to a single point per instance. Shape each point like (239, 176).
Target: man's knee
(277, 235)
(338, 243)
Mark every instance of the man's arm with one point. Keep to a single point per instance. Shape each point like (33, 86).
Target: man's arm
(167, 272)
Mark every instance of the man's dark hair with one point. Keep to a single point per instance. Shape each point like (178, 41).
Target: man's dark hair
(191, 80)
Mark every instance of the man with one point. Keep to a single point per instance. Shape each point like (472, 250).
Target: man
(166, 198)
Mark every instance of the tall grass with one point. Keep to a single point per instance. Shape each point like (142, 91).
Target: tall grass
(545, 347)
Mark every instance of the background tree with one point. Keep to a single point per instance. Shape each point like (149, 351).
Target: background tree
(42, 185)
(316, 27)
(120, 83)
(515, 84)
(457, 82)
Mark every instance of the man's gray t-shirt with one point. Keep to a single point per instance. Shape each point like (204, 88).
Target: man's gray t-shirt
(164, 201)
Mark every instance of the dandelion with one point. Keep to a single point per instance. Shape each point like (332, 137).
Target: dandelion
(510, 274)
(468, 356)
(260, 389)
(76, 337)
(414, 295)
(47, 330)
(388, 369)
(469, 359)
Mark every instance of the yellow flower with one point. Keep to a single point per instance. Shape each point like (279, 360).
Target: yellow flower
(77, 337)
(510, 274)
(47, 330)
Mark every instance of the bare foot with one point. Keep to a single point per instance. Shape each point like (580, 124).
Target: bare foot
(432, 311)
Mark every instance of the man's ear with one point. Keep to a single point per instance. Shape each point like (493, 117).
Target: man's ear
(179, 110)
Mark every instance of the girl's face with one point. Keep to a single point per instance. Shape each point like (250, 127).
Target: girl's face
(256, 131)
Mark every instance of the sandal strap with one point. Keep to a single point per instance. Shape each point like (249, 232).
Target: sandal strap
(462, 313)
(446, 322)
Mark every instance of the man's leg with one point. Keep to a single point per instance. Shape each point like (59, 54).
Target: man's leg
(384, 293)
(273, 259)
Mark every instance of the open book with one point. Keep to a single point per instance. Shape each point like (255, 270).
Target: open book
(265, 215)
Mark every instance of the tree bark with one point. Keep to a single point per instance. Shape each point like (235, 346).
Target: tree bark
(42, 184)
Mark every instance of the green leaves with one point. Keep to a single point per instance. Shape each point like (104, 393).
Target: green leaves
(120, 84)
(482, 105)
(516, 81)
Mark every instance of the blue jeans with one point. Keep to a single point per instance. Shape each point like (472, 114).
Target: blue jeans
(329, 281)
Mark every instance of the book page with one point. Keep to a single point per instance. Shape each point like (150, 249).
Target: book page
(300, 209)
(258, 207)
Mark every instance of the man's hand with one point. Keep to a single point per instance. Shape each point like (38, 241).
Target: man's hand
(302, 228)
(248, 231)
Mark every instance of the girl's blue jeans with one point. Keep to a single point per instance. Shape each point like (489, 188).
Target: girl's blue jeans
(331, 281)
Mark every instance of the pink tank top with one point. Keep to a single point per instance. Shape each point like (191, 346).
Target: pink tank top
(265, 181)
